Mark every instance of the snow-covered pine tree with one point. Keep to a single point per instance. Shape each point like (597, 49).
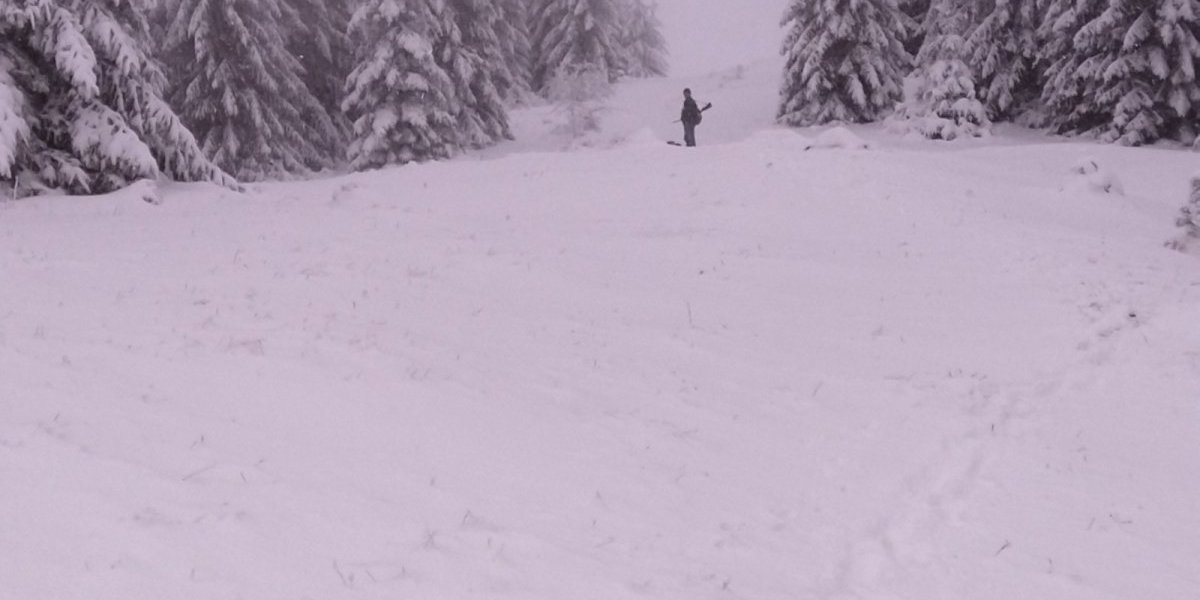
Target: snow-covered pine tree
(470, 53)
(14, 121)
(1125, 69)
(1189, 219)
(940, 103)
(579, 91)
(1002, 51)
(1191, 212)
(845, 61)
(1063, 93)
(81, 107)
(239, 89)
(917, 12)
(512, 32)
(945, 26)
(939, 95)
(317, 38)
(579, 35)
(642, 39)
(401, 101)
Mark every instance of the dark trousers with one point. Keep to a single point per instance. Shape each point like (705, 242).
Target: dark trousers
(689, 134)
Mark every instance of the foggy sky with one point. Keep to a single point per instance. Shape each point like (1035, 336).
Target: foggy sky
(708, 35)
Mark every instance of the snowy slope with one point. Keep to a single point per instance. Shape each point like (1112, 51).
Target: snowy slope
(643, 110)
(745, 370)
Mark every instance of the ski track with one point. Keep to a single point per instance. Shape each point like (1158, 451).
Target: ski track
(935, 499)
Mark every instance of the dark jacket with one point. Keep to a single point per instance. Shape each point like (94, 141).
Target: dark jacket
(691, 112)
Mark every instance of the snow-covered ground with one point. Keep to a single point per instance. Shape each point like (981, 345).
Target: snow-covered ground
(742, 371)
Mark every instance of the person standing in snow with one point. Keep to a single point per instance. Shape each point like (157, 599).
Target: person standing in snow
(690, 117)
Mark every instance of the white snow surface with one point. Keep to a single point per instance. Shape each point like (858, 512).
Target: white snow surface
(840, 138)
(740, 371)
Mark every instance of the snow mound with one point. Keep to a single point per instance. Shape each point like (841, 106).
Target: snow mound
(781, 140)
(841, 138)
(1089, 175)
(936, 127)
(643, 137)
(145, 190)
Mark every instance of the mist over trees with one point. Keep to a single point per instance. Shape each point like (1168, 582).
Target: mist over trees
(641, 38)
(575, 36)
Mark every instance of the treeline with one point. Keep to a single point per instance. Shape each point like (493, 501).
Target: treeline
(97, 93)
(1122, 70)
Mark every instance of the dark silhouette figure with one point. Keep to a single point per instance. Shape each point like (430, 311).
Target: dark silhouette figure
(690, 117)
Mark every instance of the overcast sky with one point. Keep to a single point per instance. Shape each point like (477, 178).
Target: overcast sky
(708, 35)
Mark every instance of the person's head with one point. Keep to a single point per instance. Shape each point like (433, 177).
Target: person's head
(687, 92)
